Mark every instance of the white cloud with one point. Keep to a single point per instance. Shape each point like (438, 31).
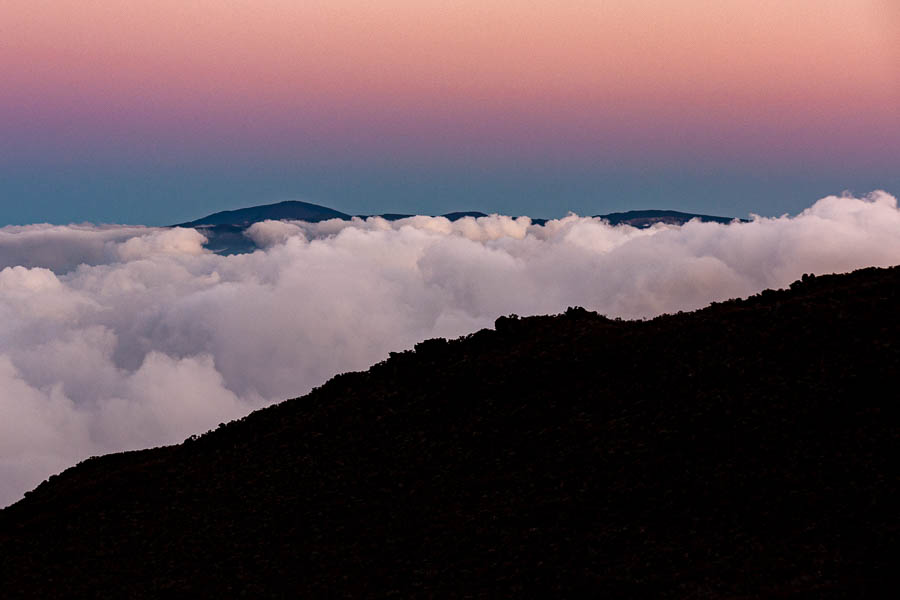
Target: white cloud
(127, 337)
(62, 248)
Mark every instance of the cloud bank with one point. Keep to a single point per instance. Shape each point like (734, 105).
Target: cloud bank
(116, 338)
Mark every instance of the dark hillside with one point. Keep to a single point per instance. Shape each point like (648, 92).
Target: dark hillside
(747, 450)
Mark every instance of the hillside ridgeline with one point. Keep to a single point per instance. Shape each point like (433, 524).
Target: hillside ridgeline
(745, 450)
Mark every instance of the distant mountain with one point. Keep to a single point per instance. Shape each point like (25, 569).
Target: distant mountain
(225, 230)
(227, 239)
(389, 216)
(455, 216)
(452, 216)
(304, 211)
(747, 450)
(646, 218)
(293, 210)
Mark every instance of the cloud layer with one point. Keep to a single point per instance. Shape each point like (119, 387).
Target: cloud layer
(114, 338)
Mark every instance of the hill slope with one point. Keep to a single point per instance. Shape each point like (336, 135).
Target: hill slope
(745, 450)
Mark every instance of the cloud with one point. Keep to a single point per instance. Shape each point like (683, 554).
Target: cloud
(62, 248)
(125, 337)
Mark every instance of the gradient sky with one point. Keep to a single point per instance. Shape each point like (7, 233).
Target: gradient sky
(159, 112)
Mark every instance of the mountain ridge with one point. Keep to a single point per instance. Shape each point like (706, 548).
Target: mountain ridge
(305, 211)
(646, 218)
(743, 450)
(225, 230)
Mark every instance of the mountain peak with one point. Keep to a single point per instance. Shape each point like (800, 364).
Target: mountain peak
(293, 210)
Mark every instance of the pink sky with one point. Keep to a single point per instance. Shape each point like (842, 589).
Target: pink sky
(715, 79)
(786, 88)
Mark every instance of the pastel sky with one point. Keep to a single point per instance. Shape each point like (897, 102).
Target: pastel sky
(158, 112)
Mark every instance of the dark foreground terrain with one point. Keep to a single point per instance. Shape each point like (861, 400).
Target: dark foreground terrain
(747, 450)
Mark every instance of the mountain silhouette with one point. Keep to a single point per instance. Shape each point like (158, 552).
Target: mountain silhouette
(744, 450)
(646, 218)
(225, 230)
(452, 216)
(293, 210)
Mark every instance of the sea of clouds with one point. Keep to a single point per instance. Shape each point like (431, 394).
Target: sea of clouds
(116, 338)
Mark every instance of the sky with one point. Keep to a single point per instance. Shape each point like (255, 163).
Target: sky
(160, 112)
